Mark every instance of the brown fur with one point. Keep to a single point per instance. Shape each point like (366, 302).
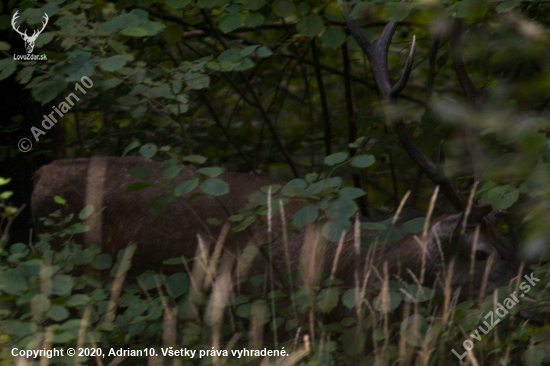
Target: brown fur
(126, 220)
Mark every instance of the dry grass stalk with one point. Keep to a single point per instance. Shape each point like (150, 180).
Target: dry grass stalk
(82, 332)
(118, 282)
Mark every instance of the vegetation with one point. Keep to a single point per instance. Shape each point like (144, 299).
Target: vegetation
(280, 88)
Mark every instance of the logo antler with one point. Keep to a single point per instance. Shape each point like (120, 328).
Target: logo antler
(29, 40)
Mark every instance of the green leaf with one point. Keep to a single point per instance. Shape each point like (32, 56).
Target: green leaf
(39, 304)
(47, 91)
(62, 285)
(135, 32)
(110, 83)
(177, 4)
(249, 50)
(244, 224)
(336, 158)
(533, 356)
(502, 197)
(4, 46)
(59, 200)
(102, 261)
(160, 204)
(388, 303)
(86, 212)
(113, 63)
(195, 159)
(196, 81)
(254, 20)
(418, 293)
(417, 328)
(362, 161)
(148, 150)
(131, 146)
(215, 187)
(506, 6)
(212, 172)
(230, 22)
(18, 328)
(414, 225)
(254, 4)
(351, 193)
(78, 65)
(351, 298)
(264, 52)
(6, 195)
(58, 313)
(398, 12)
(7, 67)
(332, 230)
(142, 173)
(244, 310)
(178, 284)
(13, 282)
(206, 4)
(283, 8)
(306, 215)
(357, 143)
(342, 209)
(333, 37)
(171, 172)
(186, 187)
(78, 300)
(328, 299)
(310, 25)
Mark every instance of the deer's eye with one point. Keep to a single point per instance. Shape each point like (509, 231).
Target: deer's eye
(481, 255)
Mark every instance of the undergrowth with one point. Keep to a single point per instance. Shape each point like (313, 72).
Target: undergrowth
(81, 298)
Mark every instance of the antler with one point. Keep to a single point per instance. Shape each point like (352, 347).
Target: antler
(35, 33)
(13, 19)
(46, 18)
(377, 54)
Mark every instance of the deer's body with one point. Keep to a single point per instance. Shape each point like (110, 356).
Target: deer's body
(464, 250)
(101, 182)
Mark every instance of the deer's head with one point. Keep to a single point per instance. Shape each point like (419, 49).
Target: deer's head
(29, 40)
(466, 247)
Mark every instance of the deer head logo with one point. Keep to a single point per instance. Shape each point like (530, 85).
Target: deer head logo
(29, 40)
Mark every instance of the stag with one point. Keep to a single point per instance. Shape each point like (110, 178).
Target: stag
(465, 249)
(185, 226)
(29, 40)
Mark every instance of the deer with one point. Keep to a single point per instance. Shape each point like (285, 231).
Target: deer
(464, 249)
(29, 40)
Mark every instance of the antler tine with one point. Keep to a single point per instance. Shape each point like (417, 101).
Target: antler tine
(355, 30)
(13, 21)
(14, 18)
(470, 91)
(46, 18)
(402, 83)
(36, 32)
(377, 54)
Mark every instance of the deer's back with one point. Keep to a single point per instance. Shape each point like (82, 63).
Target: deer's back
(125, 219)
